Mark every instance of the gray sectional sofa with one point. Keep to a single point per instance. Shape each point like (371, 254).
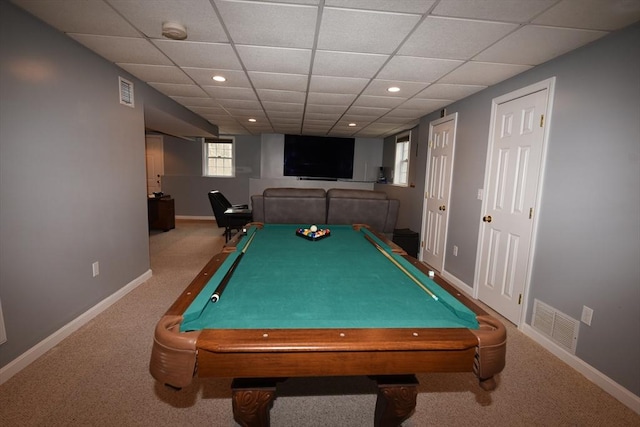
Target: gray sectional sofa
(317, 206)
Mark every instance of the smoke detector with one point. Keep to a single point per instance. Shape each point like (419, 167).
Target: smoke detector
(174, 30)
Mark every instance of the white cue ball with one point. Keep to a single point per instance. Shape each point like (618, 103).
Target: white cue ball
(313, 228)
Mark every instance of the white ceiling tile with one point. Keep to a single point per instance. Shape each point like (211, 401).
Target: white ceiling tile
(157, 73)
(359, 119)
(283, 106)
(171, 89)
(421, 104)
(204, 77)
(533, 45)
(197, 16)
(341, 99)
(123, 49)
(378, 101)
(414, 69)
(222, 92)
(325, 109)
(368, 111)
(239, 104)
(592, 14)
(483, 73)
(275, 60)
(378, 87)
(449, 91)
(269, 24)
(190, 101)
(278, 81)
(453, 38)
(80, 16)
(326, 84)
(200, 55)
(406, 6)
(281, 96)
(347, 64)
(322, 116)
(363, 31)
(493, 10)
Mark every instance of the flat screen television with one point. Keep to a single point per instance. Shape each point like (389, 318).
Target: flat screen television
(318, 157)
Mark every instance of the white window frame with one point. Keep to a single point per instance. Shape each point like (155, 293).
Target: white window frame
(401, 159)
(206, 171)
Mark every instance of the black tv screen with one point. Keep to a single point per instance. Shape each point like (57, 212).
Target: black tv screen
(318, 157)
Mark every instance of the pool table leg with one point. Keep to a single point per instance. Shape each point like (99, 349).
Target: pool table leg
(252, 400)
(396, 399)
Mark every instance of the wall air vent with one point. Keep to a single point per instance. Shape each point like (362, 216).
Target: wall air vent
(557, 326)
(126, 92)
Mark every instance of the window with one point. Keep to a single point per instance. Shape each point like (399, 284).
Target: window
(219, 157)
(401, 166)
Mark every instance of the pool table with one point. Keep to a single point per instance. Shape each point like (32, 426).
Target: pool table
(350, 303)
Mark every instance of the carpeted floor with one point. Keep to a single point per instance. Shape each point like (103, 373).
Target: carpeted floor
(99, 375)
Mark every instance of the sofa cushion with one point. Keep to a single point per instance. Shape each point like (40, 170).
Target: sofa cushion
(346, 206)
(294, 205)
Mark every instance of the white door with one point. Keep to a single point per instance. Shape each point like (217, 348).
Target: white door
(155, 163)
(516, 149)
(442, 136)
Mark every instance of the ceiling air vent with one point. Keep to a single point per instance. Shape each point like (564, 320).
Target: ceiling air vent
(557, 326)
(126, 92)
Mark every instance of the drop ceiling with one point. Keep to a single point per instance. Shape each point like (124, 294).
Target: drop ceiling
(316, 66)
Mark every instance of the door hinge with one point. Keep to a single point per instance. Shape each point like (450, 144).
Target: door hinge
(541, 120)
(426, 194)
(520, 299)
(530, 213)
(431, 144)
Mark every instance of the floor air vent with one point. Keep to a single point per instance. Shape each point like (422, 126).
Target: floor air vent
(559, 327)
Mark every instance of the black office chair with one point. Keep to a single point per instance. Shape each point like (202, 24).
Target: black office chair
(230, 221)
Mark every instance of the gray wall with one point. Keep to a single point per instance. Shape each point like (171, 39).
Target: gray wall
(183, 178)
(72, 180)
(588, 247)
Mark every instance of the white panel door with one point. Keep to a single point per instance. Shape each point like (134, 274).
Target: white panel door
(438, 187)
(515, 151)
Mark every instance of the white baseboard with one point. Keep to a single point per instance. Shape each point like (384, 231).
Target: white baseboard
(592, 374)
(626, 397)
(458, 283)
(29, 356)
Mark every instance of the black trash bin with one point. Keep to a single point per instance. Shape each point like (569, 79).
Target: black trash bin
(407, 239)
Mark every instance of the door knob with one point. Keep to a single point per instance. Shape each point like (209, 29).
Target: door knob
(487, 218)
(441, 208)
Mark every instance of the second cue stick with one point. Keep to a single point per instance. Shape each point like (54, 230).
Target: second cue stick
(404, 270)
(225, 280)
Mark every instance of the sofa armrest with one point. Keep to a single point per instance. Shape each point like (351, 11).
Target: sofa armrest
(257, 207)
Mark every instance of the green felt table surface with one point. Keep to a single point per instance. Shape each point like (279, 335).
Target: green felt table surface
(342, 281)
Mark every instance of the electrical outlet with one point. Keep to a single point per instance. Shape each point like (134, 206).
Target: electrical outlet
(455, 250)
(96, 268)
(587, 315)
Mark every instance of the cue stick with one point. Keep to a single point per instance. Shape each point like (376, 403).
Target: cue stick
(225, 280)
(404, 270)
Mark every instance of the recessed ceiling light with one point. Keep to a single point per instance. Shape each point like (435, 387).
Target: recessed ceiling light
(394, 89)
(219, 78)
(352, 124)
(252, 120)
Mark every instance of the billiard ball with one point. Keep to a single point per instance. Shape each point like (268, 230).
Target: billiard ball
(313, 228)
